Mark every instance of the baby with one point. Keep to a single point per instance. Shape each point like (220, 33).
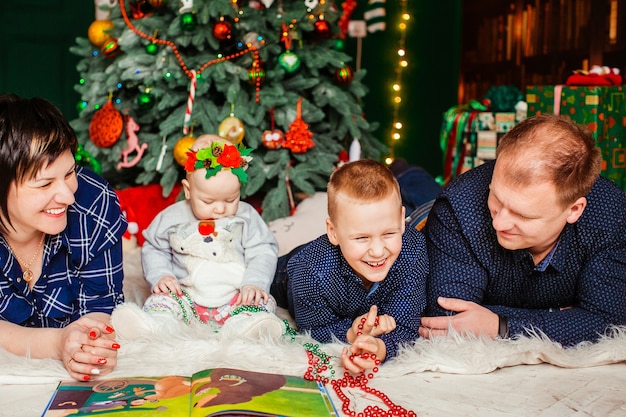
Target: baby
(211, 257)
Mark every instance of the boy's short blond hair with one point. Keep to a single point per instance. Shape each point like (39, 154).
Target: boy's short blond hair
(364, 180)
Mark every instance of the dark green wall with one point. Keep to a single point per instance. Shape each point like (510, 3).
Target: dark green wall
(35, 36)
(430, 82)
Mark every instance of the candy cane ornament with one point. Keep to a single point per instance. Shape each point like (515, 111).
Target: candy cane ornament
(190, 100)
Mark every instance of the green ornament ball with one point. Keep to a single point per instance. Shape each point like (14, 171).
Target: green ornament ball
(289, 61)
(145, 101)
(152, 48)
(188, 21)
(81, 105)
(340, 44)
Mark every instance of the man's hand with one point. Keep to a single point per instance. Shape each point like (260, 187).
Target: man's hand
(471, 318)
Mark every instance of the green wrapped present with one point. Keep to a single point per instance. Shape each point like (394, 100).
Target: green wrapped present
(602, 109)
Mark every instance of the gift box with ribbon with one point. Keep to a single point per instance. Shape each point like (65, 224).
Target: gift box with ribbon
(602, 109)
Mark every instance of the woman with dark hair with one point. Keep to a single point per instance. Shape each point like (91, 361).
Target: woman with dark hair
(60, 244)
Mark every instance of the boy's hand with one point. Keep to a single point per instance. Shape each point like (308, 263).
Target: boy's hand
(371, 324)
(367, 352)
(251, 295)
(166, 285)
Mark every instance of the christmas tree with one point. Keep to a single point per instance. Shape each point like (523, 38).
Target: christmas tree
(270, 74)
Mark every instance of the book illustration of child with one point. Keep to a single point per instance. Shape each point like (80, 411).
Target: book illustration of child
(211, 257)
(364, 281)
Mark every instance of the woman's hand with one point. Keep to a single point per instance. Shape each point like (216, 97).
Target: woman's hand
(88, 347)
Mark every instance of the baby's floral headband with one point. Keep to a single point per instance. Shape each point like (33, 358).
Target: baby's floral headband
(220, 156)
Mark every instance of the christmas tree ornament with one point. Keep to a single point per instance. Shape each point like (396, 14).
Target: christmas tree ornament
(185, 6)
(137, 9)
(347, 7)
(145, 100)
(132, 145)
(289, 61)
(98, 32)
(188, 21)
(157, 4)
(322, 29)
(193, 81)
(311, 4)
(181, 148)
(231, 128)
(298, 138)
(106, 126)
(256, 74)
(344, 75)
(267, 3)
(111, 48)
(222, 30)
(85, 159)
(272, 139)
(152, 48)
(253, 40)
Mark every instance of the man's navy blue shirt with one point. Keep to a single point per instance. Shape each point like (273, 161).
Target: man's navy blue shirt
(576, 297)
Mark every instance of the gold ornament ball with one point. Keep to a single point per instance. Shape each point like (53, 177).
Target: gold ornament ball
(232, 129)
(181, 148)
(96, 32)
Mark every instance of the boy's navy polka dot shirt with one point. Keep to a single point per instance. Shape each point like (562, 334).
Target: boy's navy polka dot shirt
(574, 298)
(328, 295)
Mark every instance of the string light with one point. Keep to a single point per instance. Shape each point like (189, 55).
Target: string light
(396, 87)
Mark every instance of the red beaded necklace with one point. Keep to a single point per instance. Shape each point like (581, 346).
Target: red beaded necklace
(319, 364)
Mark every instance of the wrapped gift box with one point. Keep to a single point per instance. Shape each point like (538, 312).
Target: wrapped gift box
(601, 109)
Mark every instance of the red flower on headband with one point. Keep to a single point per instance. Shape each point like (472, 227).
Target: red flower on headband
(230, 157)
(191, 161)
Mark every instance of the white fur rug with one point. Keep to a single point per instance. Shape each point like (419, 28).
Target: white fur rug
(420, 378)
(192, 348)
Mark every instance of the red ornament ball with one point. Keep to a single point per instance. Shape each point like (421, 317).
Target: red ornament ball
(106, 126)
(157, 3)
(222, 31)
(256, 74)
(344, 75)
(322, 29)
(273, 139)
(111, 48)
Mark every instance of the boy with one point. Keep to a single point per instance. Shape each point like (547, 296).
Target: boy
(364, 281)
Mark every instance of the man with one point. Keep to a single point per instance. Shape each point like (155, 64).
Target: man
(534, 242)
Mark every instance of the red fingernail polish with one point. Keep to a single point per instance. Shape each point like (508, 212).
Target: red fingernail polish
(102, 361)
(115, 346)
(110, 329)
(92, 334)
(86, 378)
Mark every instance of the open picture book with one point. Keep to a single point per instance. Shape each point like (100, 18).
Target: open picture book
(212, 392)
